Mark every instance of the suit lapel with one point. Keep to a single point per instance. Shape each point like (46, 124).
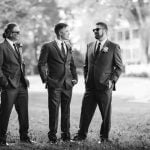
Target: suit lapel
(11, 49)
(58, 50)
(106, 44)
(69, 49)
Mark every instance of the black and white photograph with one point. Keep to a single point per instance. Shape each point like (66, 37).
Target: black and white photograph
(74, 74)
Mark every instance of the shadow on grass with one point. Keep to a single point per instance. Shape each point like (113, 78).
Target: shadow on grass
(86, 145)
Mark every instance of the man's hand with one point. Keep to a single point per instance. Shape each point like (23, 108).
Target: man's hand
(110, 84)
(74, 81)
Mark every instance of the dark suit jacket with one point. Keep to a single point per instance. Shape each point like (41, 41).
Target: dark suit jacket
(12, 68)
(54, 68)
(106, 66)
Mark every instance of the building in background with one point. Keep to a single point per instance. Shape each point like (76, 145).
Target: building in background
(128, 37)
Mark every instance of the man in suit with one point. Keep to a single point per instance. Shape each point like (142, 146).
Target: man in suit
(103, 66)
(60, 76)
(13, 83)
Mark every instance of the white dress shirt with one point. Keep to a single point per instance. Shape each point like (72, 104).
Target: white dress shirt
(59, 42)
(11, 43)
(102, 43)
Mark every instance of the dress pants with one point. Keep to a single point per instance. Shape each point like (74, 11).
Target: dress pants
(91, 99)
(19, 98)
(59, 97)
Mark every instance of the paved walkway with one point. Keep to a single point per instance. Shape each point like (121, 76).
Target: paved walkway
(136, 89)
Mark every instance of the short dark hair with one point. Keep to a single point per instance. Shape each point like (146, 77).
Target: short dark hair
(8, 30)
(59, 26)
(104, 25)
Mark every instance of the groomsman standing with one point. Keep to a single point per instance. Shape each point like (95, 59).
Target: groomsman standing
(13, 83)
(103, 66)
(58, 72)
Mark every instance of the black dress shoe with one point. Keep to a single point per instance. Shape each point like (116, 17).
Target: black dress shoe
(52, 139)
(79, 137)
(3, 143)
(27, 140)
(65, 137)
(105, 140)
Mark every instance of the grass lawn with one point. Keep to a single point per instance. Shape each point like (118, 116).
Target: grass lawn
(130, 126)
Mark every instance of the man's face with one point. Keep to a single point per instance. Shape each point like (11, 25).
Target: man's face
(99, 32)
(64, 33)
(15, 33)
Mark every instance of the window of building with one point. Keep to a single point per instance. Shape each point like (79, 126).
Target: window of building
(135, 33)
(120, 36)
(127, 35)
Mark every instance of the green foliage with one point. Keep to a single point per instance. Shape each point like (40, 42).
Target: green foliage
(86, 13)
(36, 18)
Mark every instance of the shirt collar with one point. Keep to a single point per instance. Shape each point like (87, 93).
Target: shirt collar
(59, 44)
(102, 42)
(59, 41)
(10, 42)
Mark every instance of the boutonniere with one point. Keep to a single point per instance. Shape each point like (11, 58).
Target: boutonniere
(19, 45)
(105, 49)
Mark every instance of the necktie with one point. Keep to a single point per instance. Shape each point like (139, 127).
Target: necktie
(17, 51)
(63, 49)
(98, 49)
